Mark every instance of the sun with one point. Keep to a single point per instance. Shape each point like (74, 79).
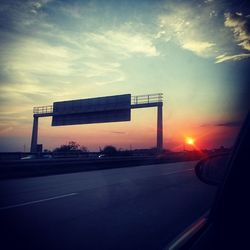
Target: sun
(190, 141)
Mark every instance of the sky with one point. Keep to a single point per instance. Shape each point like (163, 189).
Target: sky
(197, 53)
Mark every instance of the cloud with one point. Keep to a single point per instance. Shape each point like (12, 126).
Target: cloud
(19, 15)
(240, 25)
(36, 70)
(78, 10)
(229, 124)
(35, 5)
(206, 30)
(197, 47)
(29, 56)
(104, 72)
(124, 43)
(187, 26)
(118, 132)
(14, 118)
(53, 56)
(5, 130)
(33, 70)
(101, 69)
(224, 57)
(42, 51)
(39, 61)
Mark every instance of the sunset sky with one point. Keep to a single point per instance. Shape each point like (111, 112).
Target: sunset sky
(197, 53)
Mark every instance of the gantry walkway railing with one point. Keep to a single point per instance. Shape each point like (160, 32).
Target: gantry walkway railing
(43, 109)
(146, 99)
(138, 101)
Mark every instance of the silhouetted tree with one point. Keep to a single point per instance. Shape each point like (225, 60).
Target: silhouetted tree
(84, 149)
(71, 146)
(109, 150)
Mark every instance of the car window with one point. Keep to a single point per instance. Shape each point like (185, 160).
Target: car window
(106, 108)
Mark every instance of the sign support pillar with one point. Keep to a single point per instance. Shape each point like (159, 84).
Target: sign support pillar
(159, 142)
(33, 146)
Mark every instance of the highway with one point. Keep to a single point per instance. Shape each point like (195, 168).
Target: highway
(125, 208)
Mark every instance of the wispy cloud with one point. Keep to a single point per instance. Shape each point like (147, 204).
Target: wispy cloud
(240, 26)
(117, 132)
(124, 43)
(198, 47)
(36, 57)
(41, 60)
(225, 57)
(187, 26)
(78, 10)
(229, 124)
(35, 5)
(5, 130)
(104, 73)
(204, 31)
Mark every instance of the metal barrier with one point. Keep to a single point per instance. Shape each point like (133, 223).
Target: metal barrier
(144, 99)
(43, 109)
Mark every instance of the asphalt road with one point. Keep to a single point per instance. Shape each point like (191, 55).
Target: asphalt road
(131, 208)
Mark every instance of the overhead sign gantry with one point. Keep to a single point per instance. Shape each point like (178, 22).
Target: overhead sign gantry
(98, 110)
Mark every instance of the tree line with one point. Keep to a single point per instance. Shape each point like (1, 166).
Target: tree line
(73, 146)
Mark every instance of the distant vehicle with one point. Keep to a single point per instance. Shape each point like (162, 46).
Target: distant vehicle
(101, 156)
(161, 156)
(32, 157)
(29, 157)
(47, 157)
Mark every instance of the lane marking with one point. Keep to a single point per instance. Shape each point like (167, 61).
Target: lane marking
(37, 201)
(71, 194)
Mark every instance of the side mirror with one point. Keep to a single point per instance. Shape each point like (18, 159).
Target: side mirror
(212, 170)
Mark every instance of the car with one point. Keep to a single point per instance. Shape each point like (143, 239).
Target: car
(101, 156)
(225, 226)
(29, 157)
(47, 157)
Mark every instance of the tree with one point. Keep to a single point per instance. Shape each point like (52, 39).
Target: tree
(109, 150)
(84, 149)
(71, 146)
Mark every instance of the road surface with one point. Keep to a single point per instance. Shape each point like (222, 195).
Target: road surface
(130, 208)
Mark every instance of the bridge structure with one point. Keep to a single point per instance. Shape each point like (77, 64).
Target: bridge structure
(98, 110)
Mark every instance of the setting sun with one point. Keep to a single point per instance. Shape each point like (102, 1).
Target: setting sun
(190, 141)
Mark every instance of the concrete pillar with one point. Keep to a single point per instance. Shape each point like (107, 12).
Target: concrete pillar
(159, 128)
(33, 145)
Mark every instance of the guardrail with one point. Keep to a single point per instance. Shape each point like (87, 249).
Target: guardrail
(40, 167)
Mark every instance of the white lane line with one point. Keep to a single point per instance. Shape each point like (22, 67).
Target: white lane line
(71, 194)
(38, 201)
